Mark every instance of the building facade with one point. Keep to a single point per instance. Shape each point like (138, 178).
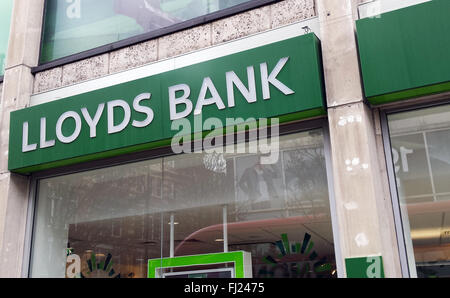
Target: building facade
(245, 138)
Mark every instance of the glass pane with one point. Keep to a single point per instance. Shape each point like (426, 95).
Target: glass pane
(195, 200)
(440, 159)
(113, 220)
(420, 141)
(411, 165)
(74, 26)
(282, 212)
(6, 7)
(110, 218)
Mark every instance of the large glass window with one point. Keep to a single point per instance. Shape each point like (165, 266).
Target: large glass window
(420, 142)
(113, 220)
(74, 26)
(6, 7)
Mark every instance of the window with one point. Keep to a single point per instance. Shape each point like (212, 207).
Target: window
(420, 142)
(6, 7)
(74, 26)
(113, 220)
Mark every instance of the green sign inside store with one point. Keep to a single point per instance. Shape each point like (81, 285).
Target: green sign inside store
(282, 79)
(241, 264)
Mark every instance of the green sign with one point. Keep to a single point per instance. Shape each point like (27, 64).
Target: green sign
(241, 261)
(402, 57)
(365, 267)
(282, 79)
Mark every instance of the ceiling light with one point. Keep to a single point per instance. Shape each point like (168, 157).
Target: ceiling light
(430, 233)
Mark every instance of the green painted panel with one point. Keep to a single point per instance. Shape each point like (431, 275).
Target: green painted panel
(405, 53)
(236, 257)
(302, 73)
(364, 267)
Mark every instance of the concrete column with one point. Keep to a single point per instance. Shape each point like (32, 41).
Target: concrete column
(364, 212)
(23, 53)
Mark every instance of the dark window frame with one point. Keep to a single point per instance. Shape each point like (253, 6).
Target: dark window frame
(198, 21)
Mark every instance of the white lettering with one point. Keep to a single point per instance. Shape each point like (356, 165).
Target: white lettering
(214, 99)
(112, 128)
(76, 132)
(93, 122)
(249, 94)
(174, 101)
(142, 109)
(25, 146)
(272, 79)
(43, 142)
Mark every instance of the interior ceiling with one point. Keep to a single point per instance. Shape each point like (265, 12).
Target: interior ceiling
(147, 233)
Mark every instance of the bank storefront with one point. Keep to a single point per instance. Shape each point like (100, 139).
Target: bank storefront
(246, 195)
(300, 151)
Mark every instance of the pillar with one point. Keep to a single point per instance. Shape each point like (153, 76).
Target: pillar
(363, 205)
(23, 54)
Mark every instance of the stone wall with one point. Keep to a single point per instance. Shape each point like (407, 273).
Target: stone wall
(223, 30)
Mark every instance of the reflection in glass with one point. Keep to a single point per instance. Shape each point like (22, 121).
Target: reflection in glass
(420, 148)
(6, 7)
(113, 220)
(74, 26)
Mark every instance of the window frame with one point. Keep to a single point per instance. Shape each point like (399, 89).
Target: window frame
(320, 122)
(198, 21)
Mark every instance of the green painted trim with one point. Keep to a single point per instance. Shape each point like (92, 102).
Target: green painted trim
(91, 157)
(158, 144)
(410, 93)
(236, 257)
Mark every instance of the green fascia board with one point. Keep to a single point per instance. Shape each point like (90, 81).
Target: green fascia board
(236, 257)
(309, 114)
(302, 72)
(405, 53)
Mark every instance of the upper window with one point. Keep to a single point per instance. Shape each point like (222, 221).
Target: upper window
(74, 26)
(5, 19)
